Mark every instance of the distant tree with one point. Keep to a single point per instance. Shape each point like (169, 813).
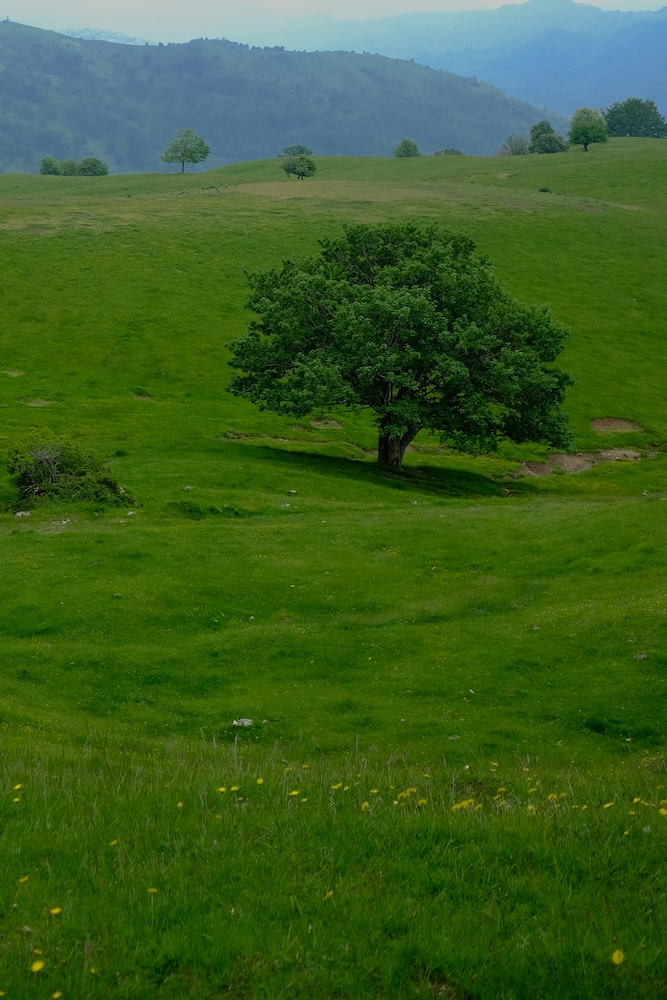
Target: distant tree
(69, 168)
(450, 151)
(49, 165)
(635, 117)
(300, 166)
(549, 142)
(186, 147)
(92, 167)
(410, 322)
(407, 147)
(587, 126)
(515, 144)
(296, 151)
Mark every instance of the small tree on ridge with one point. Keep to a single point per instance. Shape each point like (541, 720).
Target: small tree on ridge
(186, 147)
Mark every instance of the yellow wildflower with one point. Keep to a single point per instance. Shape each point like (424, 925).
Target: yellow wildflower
(422, 802)
(37, 966)
(152, 890)
(336, 787)
(55, 910)
(179, 805)
(37, 951)
(16, 787)
(607, 805)
(222, 789)
(329, 894)
(532, 810)
(16, 800)
(260, 781)
(24, 878)
(618, 956)
(56, 996)
(502, 789)
(305, 766)
(112, 843)
(364, 806)
(663, 811)
(531, 790)
(552, 797)
(294, 792)
(303, 800)
(234, 788)
(426, 774)
(374, 791)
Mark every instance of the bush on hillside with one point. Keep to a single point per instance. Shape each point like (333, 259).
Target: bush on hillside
(51, 470)
(407, 147)
(90, 167)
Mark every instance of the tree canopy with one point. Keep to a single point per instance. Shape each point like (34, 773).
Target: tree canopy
(543, 139)
(635, 117)
(410, 322)
(515, 144)
(587, 126)
(186, 147)
(300, 166)
(407, 147)
(296, 150)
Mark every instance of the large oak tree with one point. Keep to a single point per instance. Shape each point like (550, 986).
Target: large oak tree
(410, 322)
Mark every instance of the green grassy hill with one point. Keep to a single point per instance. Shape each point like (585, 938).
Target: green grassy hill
(455, 780)
(68, 97)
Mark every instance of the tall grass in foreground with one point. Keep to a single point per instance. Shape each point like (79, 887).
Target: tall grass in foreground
(205, 872)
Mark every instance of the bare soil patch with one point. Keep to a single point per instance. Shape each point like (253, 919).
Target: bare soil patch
(13, 372)
(38, 402)
(605, 424)
(326, 425)
(577, 463)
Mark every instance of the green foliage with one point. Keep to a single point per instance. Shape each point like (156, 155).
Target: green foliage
(543, 139)
(49, 165)
(186, 147)
(407, 147)
(92, 167)
(301, 166)
(515, 145)
(450, 151)
(587, 126)
(48, 470)
(297, 150)
(635, 117)
(410, 322)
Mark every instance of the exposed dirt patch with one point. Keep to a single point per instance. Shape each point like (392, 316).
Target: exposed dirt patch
(577, 463)
(13, 372)
(145, 399)
(326, 425)
(605, 424)
(38, 402)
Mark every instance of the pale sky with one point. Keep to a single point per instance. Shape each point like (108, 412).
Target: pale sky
(181, 20)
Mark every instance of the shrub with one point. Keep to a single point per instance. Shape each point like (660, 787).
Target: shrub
(407, 147)
(450, 151)
(51, 470)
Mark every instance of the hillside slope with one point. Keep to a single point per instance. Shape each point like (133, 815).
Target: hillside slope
(69, 97)
(554, 52)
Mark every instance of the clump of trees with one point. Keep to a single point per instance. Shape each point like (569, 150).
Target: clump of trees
(515, 144)
(186, 147)
(635, 117)
(89, 167)
(51, 470)
(588, 126)
(449, 151)
(543, 139)
(300, 165)
(407, 147)
(410, 322)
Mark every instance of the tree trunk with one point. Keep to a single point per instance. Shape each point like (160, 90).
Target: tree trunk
(391, 448)
(182, 166)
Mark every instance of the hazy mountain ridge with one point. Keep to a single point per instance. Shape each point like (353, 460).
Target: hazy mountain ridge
(552, 52)
(69, 97)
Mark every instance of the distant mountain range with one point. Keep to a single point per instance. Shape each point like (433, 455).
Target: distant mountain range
(553, 52)
(72, 98)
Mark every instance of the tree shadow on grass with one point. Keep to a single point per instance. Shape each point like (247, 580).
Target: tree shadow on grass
(446, 483)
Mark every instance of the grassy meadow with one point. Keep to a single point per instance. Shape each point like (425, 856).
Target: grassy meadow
(455, 780)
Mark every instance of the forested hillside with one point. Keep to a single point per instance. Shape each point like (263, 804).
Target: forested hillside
(69, 97)
(553, 52)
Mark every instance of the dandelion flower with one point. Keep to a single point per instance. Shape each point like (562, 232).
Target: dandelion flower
(260, 781)
(37, 951)
(223, 789)
(329, 894)
(92, 970)
(663, 811)
(112, 843)
(618, 956)
(305, 766)
(636, 800)
(294, 792)
(55, 910)
(336, 787)
(426, 774)
(179, 805)
(24, 878)
(422, 802)
(235, 788)
(502, 789)
(16, 787)
(16, 800)
(552, 797)
(364, 806)
(303, 800)
(532, 809)
(626, 833)
(152, 890)
(37, 966)
(56, 996)
(531, 790)
(374, 791)
(607, 805)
